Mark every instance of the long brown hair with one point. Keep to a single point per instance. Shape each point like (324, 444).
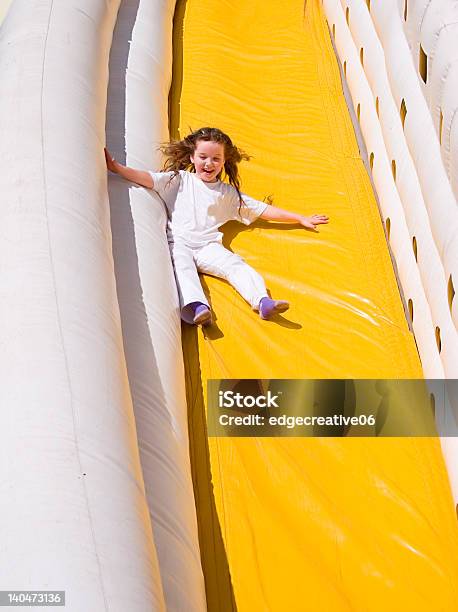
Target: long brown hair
(178, 155)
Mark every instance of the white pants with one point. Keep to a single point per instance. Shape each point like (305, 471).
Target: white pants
(215, 260)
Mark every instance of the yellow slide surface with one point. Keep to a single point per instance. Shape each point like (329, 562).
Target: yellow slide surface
(298, 523)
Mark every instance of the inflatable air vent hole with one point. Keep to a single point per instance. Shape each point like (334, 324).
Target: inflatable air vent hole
(393, 169)
(414, 245)
(347, 15)
(450, 291)
(361, 56)
(377, 106)
(422, 66)
(345, 67)
(358, 111)
(432, 401)
(410, 306)
(368, 2)
(438, 339)
(371, 160)
(403, 112)
(441, 123)
(405, 10)
(388, 227)
(333, 30)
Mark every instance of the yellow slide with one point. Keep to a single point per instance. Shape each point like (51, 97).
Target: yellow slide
(299, 523)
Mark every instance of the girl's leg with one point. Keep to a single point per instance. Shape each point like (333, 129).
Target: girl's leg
(188, 282)
(216, 260)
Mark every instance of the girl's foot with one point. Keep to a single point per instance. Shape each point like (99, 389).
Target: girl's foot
(202, 314)
(269, 307)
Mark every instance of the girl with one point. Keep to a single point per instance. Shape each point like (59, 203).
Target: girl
(198, 202)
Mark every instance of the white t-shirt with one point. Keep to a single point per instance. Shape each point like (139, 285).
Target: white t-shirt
(197, 209)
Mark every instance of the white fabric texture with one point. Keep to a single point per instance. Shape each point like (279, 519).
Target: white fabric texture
(218, 261)
(197, 209)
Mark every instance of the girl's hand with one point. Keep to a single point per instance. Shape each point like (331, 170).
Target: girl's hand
(141, 177)
(313, 221)
(111, 162)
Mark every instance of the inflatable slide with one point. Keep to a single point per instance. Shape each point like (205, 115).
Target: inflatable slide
(112, 489)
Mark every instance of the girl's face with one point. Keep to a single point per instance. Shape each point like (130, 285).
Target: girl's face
(208, 160)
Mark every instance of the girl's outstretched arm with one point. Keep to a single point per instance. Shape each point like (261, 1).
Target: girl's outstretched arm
(130, 174)
(272, 213)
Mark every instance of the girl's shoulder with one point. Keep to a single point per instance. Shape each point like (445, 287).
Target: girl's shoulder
(183, 175)
(165, 180)
(171, 176)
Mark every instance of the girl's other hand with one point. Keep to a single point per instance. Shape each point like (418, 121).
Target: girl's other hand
(313, 221)
(111, 162)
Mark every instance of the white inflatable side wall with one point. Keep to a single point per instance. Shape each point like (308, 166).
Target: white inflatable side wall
(424, 148)
(73, 510)
(61, 308)
(137, 121)
(431, 27)
(4, 6)
(416, 200)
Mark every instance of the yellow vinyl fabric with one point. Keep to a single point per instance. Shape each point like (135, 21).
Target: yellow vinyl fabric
(296, 523)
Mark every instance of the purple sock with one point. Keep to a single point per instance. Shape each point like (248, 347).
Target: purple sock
(269, 307)
(201, 313)
(194, 306)
(188, 312)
